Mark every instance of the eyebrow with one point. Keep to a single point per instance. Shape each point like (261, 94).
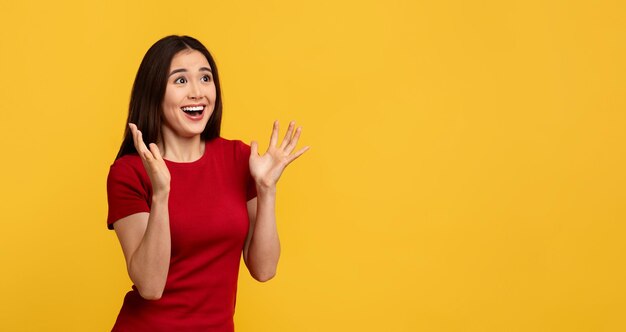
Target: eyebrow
(182, 70)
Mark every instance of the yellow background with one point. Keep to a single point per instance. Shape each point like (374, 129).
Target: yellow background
(466, 170)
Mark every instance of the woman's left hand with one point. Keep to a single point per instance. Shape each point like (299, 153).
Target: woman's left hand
(266, 169)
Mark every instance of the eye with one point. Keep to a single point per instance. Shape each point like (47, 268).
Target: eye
(180, 80)
(206, 78)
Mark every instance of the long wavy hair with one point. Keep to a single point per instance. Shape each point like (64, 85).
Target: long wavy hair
(146, 99)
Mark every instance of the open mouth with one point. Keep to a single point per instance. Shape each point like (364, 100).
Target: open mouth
(193, 110)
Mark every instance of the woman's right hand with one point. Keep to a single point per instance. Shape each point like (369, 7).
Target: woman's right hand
(153, 163)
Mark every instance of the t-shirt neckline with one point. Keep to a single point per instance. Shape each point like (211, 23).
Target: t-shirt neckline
(194, 162)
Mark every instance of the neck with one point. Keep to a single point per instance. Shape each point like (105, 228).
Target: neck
(180, 149)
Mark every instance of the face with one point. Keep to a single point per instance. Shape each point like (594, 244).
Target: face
(190, 95)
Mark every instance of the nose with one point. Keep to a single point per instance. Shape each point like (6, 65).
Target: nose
(194, 91)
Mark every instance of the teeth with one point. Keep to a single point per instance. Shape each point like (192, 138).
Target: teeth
(192, 108)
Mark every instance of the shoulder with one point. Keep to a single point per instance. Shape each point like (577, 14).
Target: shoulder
(127, 167)
(128, 188)
(126, 163)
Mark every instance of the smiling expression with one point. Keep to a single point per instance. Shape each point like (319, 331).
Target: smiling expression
(190, 95)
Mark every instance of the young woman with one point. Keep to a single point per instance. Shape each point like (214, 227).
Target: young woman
(186, 203)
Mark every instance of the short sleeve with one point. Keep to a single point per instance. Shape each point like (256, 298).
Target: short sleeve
(243, 150)
(125, 193)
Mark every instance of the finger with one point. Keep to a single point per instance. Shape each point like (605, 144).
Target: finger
(297, 154)
(287, 138)
(254, 149)
(136, 137)
(147, 155)
(156, 152)
(132, 132)
(144, 148)
(294, 141)
(135, 134)
(274, 137)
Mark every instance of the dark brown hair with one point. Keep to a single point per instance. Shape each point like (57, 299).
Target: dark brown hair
(146, 99)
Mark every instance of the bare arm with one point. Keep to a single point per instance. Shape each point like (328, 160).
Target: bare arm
(145, 237)
(262, 247)
(145, 240)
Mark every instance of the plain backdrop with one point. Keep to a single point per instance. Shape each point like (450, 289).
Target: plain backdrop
(466, 170)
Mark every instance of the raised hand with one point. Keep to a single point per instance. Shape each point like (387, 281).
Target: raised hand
(267, 169)
(153, 162)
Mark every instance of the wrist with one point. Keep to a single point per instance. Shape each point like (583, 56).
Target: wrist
(265, 187)
(161, 196)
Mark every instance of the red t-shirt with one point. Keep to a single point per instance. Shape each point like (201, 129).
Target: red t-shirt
(208, 227)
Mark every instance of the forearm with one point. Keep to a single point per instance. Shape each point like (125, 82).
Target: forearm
(264, 250)
(149, 265)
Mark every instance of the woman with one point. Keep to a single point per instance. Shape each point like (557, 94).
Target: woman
(186, 205)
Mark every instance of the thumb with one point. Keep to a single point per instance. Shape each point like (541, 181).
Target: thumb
(253, 149)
